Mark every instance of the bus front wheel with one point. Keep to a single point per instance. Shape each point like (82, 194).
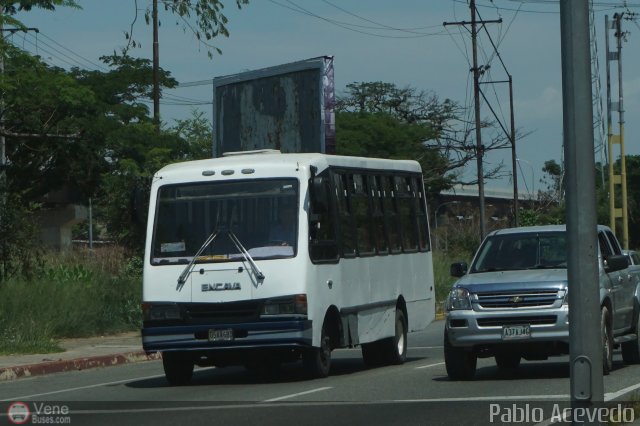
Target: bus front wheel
(317, 361)
(178, 369)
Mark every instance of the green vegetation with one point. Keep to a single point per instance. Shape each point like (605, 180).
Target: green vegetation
(75, 295)
(442, 261)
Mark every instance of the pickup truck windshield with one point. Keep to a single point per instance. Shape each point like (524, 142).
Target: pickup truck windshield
(262, 214)
(509, 252)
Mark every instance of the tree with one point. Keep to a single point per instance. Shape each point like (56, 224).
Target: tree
(197, 131)
(57, 122)
(87, 132)
(446, 133)
(549, 207)
(10, 8)
(383, 135)
(209, 20)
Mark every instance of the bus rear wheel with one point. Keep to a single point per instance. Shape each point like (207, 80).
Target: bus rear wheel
(392, 350)
(178, 369)
(396, 346)
(317, 361)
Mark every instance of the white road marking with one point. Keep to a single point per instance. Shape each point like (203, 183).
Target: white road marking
(609, 396)
(481, 398)
(430, 365)
(293, 395)
(97, 385)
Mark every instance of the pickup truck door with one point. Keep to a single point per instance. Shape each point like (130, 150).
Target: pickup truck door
(622, 283)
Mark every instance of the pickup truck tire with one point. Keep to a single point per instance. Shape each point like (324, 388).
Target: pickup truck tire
(460, 363)
(178, 369)
(317, 361)
(507, 361)
(607, 341)
(631, 350)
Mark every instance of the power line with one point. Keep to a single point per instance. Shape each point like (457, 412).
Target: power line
(379, 25)
(54, 53)
(51, 54)
(348, 26)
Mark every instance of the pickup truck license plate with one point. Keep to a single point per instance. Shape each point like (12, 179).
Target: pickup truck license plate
(220, 335)
(511, 332)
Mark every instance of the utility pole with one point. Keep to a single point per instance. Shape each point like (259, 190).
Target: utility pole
(514, 158)
(613, 139)
(585, 344)
(156, 69)
(478, 122)
(476, 100)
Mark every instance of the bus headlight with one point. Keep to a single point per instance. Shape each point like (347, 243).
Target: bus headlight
(458, 299)
(290, 305)
(151, 312)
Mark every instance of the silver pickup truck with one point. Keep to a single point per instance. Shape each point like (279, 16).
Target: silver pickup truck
(512, 303)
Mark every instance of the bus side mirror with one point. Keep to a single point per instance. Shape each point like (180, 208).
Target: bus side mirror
(319, 193)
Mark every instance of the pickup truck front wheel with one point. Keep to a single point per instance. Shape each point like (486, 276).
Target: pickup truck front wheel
(460, 363)
(607, 341)
(507, 360)
(631, 350)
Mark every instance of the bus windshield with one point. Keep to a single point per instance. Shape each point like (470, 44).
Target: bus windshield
(261, 214)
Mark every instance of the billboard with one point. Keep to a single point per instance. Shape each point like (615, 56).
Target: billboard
(289, 107)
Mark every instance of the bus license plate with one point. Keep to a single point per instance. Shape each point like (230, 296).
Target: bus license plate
(220, 335)
(510, 332)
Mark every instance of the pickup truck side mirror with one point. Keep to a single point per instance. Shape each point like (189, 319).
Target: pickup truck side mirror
(616, 262)
(458, 269)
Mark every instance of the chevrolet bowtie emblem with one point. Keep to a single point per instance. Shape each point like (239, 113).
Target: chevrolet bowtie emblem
(516, 299)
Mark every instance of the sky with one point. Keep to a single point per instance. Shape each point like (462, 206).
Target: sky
(402, 42)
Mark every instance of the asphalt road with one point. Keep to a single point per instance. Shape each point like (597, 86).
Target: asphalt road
(417, 392)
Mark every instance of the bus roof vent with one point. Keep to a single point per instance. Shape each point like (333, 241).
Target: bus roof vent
(257, 151)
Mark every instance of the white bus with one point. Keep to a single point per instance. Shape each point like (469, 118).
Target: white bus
(354, 267)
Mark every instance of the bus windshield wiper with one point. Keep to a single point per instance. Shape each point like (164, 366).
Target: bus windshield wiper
(247, 256)
(183, 276)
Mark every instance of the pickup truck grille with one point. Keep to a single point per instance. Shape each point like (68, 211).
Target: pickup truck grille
(517, 299)
(531, 320)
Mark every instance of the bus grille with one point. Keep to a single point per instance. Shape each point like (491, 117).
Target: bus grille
(515, 299)
(223, 312)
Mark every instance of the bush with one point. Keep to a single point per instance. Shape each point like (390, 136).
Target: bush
(77, 295)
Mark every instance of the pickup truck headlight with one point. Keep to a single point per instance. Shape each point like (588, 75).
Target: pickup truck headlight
(565, 297)
(458, 299)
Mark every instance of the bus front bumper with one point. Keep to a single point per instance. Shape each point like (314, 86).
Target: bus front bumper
(264, 334)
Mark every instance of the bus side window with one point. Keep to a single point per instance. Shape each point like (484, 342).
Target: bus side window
(420, 202)
(390, 215)
(406, 213)
(343, 183)
(361, 212)
(377, 212)
(322, 227)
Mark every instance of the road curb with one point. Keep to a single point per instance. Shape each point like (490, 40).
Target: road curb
(13, 373)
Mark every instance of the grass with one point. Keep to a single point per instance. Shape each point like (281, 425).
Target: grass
(443, 280)
(79, 294)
